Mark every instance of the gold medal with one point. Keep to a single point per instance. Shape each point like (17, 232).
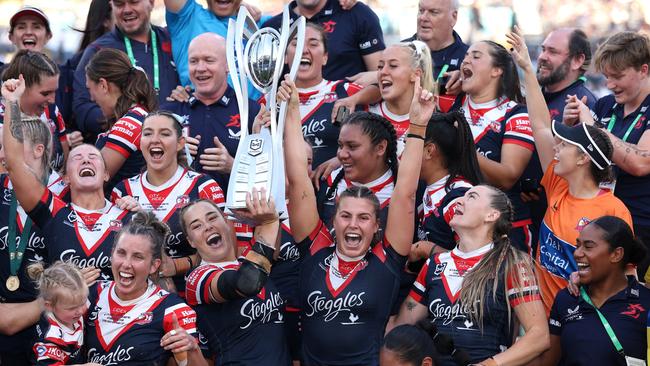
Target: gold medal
(12, 283)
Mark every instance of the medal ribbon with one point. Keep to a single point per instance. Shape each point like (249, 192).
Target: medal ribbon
(16, 251)
(156, 66)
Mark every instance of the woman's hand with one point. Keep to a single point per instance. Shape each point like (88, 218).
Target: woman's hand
(324, 170)
(259, 210)
(287, 92)
(178, 340)
(13, 89)
(263, 119)
(576, 110)
(519, 50)
(422, 105)
(128, 203)
(167, 267)
(90, 275)
(350, 103)
(74, 139)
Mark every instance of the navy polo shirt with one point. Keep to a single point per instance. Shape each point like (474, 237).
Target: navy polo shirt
(557, 101)
(452, 55)
(582, 335)
(220, 119)
(633, 191)
(88, 114)
(352, 34)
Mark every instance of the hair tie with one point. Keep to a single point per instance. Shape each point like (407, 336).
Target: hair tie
(504, 236)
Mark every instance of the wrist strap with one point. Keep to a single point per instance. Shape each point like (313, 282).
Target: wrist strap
(414, 136)
(608, 328)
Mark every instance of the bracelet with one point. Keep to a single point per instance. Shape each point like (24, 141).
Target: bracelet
(182, 265)
(415, 124)
(433, 248)
(414, 136)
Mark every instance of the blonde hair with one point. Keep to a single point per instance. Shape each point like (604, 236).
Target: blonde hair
(58, 279)
(501, 263)
(421, 59)
(34, 131)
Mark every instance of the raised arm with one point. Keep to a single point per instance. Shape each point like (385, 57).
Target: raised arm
(540, 118)
(174, 6)
(401, 219)
(26, 183)
(303, 212)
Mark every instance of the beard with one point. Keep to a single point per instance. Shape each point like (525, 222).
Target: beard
(558, 74)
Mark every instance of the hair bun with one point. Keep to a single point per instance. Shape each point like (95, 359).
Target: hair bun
(148, 218)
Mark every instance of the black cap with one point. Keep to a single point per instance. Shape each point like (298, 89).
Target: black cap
(579, 136)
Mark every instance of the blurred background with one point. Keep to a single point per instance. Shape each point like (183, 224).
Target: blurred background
(477, 19)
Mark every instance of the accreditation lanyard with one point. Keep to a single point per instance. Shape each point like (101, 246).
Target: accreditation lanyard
(156, 66)
(608, 328)
(16, 251)
(612, 122)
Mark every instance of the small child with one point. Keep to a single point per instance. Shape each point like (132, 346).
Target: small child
(60, 330)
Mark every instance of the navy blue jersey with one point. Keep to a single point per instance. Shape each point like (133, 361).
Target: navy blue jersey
(344, 316)
(633, 191)
(351, 34)
(127, 333)
(582, 335)
(382, 187)
(316, 105)
(437, 209)
(557, 101)
(247, 331)
(124, 138)
(52, 117)
(88, 114)
(166, 201)
(73, 234)
(286, 268)
(495, 124)
(452, 55)
(220, 119)
(438, 287)
(56, 343)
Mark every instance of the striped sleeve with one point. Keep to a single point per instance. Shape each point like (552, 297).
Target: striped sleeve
(197, 286)
(524, 291)
(418, 290)
(209, 189)
(124, 136)
(518, 130)
(184, 314)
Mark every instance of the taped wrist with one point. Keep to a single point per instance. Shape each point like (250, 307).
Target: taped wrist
(261, 254)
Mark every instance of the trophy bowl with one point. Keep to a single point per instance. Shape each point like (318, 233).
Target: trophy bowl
(261, 54)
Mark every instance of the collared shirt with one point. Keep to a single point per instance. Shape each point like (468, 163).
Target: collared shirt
(193, 20)
(583, 336)
(556, 101)
(451, 55)
(632, 190)
(89, 116)
(352, 34)
(219, 119)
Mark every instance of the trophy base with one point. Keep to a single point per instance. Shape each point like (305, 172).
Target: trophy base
(251, 169)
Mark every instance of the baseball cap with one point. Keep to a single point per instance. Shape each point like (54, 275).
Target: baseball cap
(579, 136)
(30, 10)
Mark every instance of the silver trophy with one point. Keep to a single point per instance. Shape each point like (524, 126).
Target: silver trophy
(258, 55)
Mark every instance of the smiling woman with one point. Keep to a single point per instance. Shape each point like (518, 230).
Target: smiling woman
(79, 232)
(605, 249)
(168, 185)
(130, 319)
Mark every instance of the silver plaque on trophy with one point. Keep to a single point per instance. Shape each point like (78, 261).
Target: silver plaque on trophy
(258, 56)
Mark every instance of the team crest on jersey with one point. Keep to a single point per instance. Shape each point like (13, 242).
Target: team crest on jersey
(582, 223)
(182, 201)
(72, 218)
(328, 26)
(144, 318)
(115, 225)
(440, 268)
(234, 121)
